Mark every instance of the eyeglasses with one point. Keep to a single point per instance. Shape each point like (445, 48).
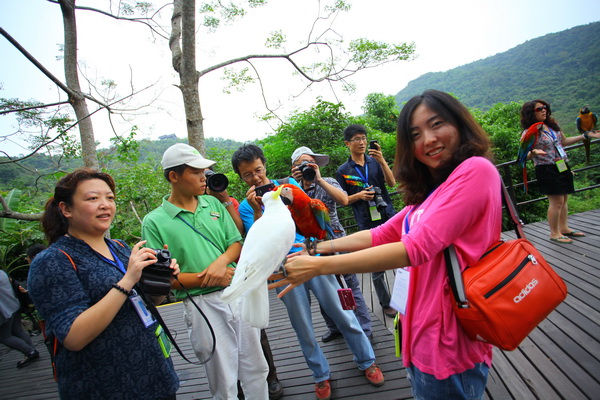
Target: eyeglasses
(249, 175)
(539, 109)
(358, 139)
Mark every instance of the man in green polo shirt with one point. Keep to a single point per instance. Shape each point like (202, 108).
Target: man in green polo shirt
(205, 241)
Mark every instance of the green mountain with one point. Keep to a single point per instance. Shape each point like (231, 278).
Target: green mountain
(561, 68)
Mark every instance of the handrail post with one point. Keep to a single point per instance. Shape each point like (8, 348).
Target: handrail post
(510, 187)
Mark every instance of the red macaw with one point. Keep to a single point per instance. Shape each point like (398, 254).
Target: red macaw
(310, 215)
(528, 141)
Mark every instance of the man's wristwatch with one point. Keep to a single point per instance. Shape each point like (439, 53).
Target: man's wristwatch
(227, 203)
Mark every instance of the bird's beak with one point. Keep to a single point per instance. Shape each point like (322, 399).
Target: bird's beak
(278, 191)
(285, 200)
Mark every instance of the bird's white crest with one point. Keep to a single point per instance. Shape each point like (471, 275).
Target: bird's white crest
(265, 247)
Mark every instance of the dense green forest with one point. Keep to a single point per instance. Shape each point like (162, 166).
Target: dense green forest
(561, 68)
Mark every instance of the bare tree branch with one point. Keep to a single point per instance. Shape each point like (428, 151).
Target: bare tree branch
(35, 150)
(8, 213)
(141, 20)
(12, 110)
(35, 62)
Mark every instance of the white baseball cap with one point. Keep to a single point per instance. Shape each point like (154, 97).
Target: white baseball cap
(321, 159)
(182, 153)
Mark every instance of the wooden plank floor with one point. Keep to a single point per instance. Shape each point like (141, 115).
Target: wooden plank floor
(559, 360)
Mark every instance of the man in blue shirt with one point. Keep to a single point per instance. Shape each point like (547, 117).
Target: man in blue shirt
(364, 178)
(250, 164)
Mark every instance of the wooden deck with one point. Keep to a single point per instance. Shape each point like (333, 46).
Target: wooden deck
(559, 360)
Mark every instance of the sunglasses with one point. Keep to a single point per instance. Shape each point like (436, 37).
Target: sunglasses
(539, 109)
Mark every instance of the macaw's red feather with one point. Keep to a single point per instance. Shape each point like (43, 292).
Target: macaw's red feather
(310, 215)
(528, 141)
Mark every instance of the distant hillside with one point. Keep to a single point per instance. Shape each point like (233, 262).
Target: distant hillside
(561, 68)
(25, 173)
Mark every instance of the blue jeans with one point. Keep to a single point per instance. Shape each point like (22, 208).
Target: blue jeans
(468, 385)
(381, 288)
(297, 303)
(361, 312)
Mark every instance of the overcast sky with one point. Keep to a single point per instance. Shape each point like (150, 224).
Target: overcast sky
(447, 34)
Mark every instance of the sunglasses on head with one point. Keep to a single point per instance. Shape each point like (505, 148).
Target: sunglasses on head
(539, 109)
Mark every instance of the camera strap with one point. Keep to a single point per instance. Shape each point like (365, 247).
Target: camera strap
(152, 308)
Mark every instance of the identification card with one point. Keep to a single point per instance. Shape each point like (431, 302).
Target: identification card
(561, 165)
(374, 213)
(400, 292)
(141, 309)
(163, 341)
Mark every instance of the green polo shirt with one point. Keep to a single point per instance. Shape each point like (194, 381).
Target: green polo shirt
(193, 252)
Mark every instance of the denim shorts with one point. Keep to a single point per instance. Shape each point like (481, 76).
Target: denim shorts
(468, 385)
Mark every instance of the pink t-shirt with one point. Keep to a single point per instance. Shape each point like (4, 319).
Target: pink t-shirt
(466, 211)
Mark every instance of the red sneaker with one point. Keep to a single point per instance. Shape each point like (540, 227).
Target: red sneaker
(374, 375)
(323, 390)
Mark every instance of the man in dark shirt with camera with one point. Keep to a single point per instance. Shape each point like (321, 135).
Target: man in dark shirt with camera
(364, 178)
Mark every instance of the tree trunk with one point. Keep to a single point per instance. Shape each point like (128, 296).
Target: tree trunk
(183, 24)
(77, 100)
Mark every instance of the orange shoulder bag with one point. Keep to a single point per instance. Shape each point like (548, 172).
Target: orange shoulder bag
(511, 289)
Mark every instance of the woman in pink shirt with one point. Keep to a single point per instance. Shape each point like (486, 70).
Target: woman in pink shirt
(452, 192)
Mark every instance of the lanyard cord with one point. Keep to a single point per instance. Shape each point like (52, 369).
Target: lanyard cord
(199, 233)
(365, 177)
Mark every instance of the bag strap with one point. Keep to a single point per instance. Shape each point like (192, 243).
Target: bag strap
(452, 266)
(512, 212)
(455, 277)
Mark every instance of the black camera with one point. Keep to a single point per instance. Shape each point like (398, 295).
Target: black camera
(216, 182)
(373, 144)
(378, 199)
(308, 173)
(261, 190)
(156, 278)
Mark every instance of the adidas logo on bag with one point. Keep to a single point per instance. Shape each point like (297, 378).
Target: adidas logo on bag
(526, 290)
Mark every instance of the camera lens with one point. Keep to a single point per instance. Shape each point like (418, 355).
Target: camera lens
(308, 173)
(216, 182)
(379, 201)
(163, 255)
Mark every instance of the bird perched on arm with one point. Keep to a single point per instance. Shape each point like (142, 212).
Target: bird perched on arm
(310, 215)
(265, 247)
(528, 141)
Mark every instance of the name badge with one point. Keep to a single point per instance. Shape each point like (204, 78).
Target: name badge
(141, 309)
(374, 212)
(561, 165)
(163, 341)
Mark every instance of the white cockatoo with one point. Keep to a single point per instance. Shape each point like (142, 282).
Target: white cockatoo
(265, 247)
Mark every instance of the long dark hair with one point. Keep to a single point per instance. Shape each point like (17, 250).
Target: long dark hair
(54, 223)
(416, 180)
(528, 115)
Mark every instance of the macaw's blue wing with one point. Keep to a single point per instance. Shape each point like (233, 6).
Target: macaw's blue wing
(321, 213)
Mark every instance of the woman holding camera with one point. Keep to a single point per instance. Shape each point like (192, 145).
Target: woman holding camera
(83, 285)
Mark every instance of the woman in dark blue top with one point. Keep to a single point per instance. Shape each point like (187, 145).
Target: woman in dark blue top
(83, 286)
